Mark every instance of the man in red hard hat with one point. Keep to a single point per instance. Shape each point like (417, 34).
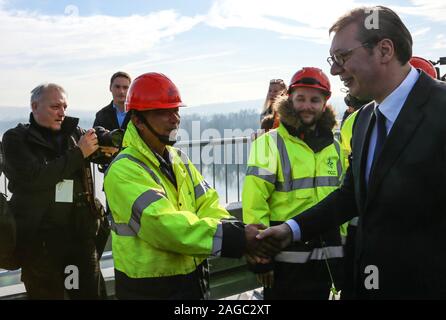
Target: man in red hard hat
(290, 169)
(166, 218)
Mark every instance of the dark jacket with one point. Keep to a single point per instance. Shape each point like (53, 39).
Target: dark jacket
(402, 213)
(33, 166)
(106, 117)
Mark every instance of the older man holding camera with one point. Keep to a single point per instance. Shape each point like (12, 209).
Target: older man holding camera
(46, 163)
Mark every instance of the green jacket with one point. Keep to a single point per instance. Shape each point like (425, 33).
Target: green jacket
(284, 178)
(346, 136)
(158, 229)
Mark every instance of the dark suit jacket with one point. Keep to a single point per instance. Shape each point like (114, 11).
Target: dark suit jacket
(402, 213)
(106, 117)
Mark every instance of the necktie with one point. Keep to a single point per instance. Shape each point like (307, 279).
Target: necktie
(381, 134)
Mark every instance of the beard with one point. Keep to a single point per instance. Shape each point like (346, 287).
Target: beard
(294, 119)
(315, 118)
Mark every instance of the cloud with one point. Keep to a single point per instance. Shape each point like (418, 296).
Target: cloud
(421, 32)
(289, 18)
(440, 42)
(434, 10)
(293, 20)
(28, 37)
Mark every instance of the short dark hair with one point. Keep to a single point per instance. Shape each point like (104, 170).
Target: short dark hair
(390, 27)
(120, 74)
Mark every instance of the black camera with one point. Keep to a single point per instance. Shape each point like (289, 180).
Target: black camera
(107, 138)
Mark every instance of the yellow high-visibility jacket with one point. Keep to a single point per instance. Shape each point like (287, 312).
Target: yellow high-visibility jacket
(346, 135)
(158, 229)
(284, 178)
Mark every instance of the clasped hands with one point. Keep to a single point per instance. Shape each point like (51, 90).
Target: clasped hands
(263, 243)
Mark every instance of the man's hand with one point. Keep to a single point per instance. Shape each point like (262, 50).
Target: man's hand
(109, 151)
(273, 240)
(266, 279)
(88, 143)
(251, 231)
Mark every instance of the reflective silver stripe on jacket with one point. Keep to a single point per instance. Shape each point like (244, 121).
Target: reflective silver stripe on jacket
(201, 189)
(141, 203)
(354, 222)
(306, 183)
(303, 183)
(262, 174)
(284, 158)
(202, 186)
(139, 162)
(131, 228)
(316, 254)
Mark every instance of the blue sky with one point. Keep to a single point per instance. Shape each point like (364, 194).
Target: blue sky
(215, 51)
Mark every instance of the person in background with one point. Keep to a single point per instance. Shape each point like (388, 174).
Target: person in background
(114, 116)
(268, 117)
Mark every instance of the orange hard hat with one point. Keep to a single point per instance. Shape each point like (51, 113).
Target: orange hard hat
(152, 91)
(311, 78)
(425, 65)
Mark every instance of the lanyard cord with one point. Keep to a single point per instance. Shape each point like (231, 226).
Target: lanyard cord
(333, 289)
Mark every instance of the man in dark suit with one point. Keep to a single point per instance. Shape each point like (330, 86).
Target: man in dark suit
(114, 115)
(395, 182)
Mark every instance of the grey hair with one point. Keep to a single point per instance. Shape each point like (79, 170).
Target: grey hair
(37, 92)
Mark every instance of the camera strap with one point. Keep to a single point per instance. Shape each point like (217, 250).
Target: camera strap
(87, 180)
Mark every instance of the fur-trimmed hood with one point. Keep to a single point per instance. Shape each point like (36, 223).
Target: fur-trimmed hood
(288, 115)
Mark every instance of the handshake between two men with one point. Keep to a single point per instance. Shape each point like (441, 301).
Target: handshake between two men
(263, 243)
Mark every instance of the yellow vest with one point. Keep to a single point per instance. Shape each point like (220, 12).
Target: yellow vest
(285, 177)
(346, 136)
(158, 229)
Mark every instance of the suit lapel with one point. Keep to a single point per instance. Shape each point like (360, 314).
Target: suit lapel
(402, 131)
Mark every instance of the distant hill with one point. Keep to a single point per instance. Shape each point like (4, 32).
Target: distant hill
(11, 116)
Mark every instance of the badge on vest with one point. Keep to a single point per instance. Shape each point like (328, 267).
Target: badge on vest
(64, 191)
(331, 164)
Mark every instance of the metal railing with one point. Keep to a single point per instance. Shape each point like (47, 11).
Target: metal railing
(234, 156)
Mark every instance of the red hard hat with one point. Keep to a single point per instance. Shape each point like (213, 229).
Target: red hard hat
(311, 78)
(425, 65)
(152, 91)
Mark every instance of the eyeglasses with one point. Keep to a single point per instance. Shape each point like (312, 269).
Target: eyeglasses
(341, 58)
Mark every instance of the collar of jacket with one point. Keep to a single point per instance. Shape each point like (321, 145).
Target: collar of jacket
(133, 139)
(316, 140)
(69, 124)
(68, 127)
